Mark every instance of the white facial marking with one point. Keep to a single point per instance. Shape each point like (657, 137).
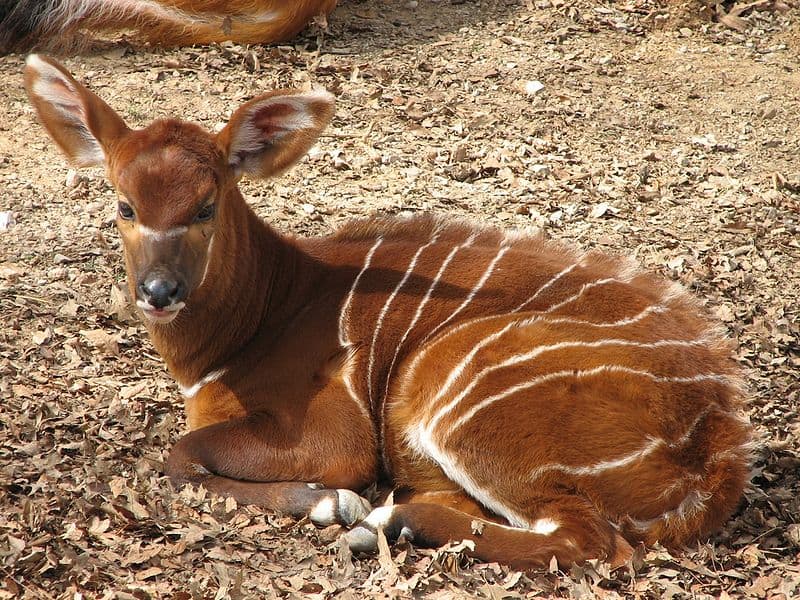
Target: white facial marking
(160, 316)
(161, 234)
(208, 260)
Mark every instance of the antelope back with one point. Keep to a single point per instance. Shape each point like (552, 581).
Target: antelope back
(506, 365)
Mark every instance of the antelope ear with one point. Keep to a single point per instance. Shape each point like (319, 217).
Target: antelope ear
(82, 125)
(270, 133)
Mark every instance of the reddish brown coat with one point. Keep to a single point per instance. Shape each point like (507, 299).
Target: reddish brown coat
(488, 374)
(62, 25)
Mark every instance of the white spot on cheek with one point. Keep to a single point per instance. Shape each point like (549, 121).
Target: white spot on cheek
(545, 526)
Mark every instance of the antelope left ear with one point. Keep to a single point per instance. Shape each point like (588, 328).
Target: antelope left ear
(271, 132)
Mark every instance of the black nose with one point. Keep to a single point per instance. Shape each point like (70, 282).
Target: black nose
(161, 292)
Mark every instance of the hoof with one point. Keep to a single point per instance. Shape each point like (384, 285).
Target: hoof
(342, 507)
(364, 536)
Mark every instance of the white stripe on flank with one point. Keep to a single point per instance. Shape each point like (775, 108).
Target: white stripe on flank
(160, 234)
(547, 285)
(473, 292)
(420, 440)
(607, 465)
(692, 504)
(191, 391)
(344, 315)
(650, 310)
(743, 451)
(265, 16)
(456, 372)
(426, 348)
(655, 309)
(520, 358)
(411, 325)
(582, 291)
(347, 378)
(382, 315)
(344, 337)
(580, 374)
(425, 301)
(681, 441)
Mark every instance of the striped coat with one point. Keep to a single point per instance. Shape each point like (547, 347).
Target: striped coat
(533, 400)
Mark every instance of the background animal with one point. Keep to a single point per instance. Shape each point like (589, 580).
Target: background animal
(568, 403)
(63, 25)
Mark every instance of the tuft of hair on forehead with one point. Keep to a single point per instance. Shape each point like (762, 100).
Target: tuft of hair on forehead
(171, 138)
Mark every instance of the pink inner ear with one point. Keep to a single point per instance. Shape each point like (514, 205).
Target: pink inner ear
(68, 105)
(270, 120)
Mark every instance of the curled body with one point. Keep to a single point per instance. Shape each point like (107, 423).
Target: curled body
(571, 402)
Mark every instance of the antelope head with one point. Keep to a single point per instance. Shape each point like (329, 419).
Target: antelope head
(176, 183)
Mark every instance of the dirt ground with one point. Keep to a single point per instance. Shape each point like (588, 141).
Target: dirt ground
(636, 127)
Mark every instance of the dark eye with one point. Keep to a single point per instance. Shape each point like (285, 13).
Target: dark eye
(206, 213)
(126, 211)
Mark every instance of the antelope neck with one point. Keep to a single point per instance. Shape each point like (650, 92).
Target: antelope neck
(251, 289)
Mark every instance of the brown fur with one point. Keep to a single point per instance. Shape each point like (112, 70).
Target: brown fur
(63, 27)
(620, 427)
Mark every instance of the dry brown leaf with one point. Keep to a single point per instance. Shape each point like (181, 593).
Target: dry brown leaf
(102, 340)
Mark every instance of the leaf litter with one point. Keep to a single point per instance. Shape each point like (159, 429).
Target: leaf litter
(649, 128)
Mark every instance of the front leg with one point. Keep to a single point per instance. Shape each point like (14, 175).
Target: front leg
(257, 461)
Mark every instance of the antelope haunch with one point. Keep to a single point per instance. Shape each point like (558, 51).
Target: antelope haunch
(58, 24)
(570, 403)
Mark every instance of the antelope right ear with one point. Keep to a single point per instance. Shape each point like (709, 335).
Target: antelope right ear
(82, 125)
(271, 132)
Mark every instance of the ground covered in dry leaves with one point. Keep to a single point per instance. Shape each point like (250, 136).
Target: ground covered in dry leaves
(638, 127)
